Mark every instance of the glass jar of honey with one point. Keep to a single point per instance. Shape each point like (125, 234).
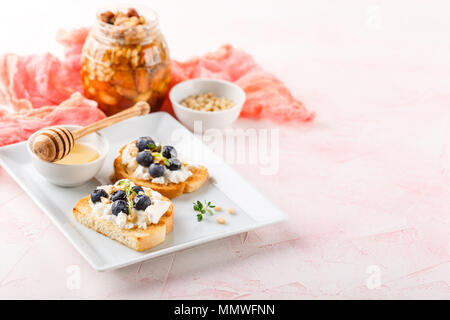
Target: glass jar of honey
(125, 59)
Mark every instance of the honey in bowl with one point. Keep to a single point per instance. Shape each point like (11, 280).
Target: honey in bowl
(80, 153)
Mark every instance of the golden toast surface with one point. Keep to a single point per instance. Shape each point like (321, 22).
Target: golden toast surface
(137, 239)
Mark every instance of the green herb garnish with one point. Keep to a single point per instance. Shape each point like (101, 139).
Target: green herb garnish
(203, 208)
(159, 155)
(128, 192)
(154, 147)
(121, 182)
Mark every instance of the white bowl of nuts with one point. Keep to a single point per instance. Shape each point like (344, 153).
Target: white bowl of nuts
(202, 104)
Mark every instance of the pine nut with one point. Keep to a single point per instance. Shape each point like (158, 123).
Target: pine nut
(207, 102)
(220, 220)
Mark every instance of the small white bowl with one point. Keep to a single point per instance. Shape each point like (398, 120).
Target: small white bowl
(207, 119)
(72, 175)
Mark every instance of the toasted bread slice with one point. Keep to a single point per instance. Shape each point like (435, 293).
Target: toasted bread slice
(137, 239)
(170, 190)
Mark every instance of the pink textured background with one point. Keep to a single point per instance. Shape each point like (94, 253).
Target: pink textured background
(367, 183)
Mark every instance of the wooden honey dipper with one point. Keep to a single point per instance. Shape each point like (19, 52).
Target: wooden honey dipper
(55, 143)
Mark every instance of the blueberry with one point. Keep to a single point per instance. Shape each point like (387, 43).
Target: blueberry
(118, 195)
(169, 152)
(119, 206)
(137, 189)
(144, 158)
(141, 202)
(174, 164)
(156, 170)
(97, 194)
(143, 142)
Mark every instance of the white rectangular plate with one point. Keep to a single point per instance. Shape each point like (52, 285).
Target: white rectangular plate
(225, 188)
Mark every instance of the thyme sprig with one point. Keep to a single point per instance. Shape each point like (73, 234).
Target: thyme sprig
(156, 153)
(154, 147)
(128, 192)
(203, 208)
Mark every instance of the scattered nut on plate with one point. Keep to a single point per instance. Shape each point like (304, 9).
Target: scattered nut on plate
(220, 220)
(207, 102)
(230, 210)
(217, 208)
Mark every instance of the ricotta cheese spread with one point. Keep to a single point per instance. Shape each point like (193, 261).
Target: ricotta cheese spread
(151, 215)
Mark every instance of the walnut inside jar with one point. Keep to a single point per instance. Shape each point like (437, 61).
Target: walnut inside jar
(131, 18)
(125, 59)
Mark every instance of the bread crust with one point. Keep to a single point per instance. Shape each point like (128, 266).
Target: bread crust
(137, 239)
(170, 190)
